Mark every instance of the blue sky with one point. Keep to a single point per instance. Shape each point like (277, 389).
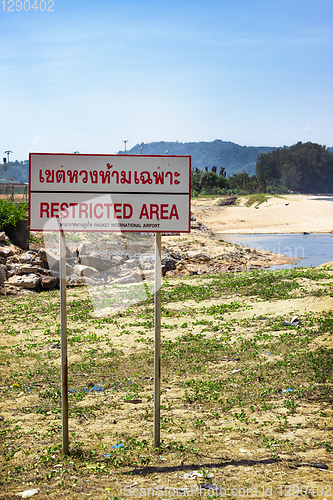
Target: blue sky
(90, 74)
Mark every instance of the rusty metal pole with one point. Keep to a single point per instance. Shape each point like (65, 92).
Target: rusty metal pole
(63, 327)
(157, 354)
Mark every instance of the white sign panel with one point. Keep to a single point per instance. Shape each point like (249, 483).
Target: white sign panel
(109, 193)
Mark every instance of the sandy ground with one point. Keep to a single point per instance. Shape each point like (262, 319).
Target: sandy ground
(287, 214)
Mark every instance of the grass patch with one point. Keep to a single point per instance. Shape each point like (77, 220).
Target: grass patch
(234, 387)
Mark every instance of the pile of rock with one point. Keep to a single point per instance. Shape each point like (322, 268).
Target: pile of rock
(38, 270)
(201, 262)
(120, 262)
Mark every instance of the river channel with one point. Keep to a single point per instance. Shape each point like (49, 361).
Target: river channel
(311, 249)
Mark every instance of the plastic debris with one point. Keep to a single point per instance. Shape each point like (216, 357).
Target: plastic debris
(115, 446)
(230, 359)
(98, 388)
(235, 371)
(293, 322)
(56, 346)
(28, 493)
(133, 401)
(212, 487)
(195, 473)
(17, 385)
(287, 390)
(146, 378)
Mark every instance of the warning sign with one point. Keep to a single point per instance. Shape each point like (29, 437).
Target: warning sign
(109, 193)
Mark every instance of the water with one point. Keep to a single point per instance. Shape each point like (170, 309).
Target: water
(328, 198)
(311, 249)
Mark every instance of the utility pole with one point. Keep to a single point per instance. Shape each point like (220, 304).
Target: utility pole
(125, 141)
(8, 153)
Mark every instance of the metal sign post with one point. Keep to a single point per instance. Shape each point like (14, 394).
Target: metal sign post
(127, 193)
(157, 354)
(63, 326)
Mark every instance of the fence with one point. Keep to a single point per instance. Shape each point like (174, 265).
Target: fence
(14, 191)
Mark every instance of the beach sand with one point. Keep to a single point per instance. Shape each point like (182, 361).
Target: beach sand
(284, 214)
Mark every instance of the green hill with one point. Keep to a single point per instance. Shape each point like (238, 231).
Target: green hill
(233, 157)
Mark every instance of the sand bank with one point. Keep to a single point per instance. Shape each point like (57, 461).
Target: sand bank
(287, 214)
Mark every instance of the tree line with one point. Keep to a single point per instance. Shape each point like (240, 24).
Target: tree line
(306, 168)
(303, 168)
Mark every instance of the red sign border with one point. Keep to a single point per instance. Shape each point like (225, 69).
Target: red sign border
(115, 155)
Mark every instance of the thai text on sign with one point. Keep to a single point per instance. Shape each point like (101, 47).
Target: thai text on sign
(109, 193)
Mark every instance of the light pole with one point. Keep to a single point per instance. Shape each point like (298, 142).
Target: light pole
(125, 141)
(8, 153)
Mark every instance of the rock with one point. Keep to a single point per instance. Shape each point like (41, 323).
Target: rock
(2, 236)
(75, 280)
(49, 283)
(6, 252)
(9, 290)
(3, 274)
(42, 255)
(117, 260)
(130, 278)
(82, 270)
(27, 257)
(82, 249)
(29, 281)
(168, 264)
(231, 200)
(130, 263)
(39, 262)
(53, 261)
(97, 262)
(198, 254)
(27, 268)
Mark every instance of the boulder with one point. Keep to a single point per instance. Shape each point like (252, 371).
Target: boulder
(74, 280)
(2, 236)
(6, 252)
(130, 278)
(53, 261)
(198, 254)
(168, 263)
(82, 270)
(231, 200)
(28, 281)
(97, 262)
(117, 260)
(27, 257)
(49, 283)
(81, 249)
(27, 268)
(3, 274)
(130, 263)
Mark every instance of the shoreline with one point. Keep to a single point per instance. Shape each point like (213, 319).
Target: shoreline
(285, 214)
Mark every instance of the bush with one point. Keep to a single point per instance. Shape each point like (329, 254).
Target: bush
(11, 214)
